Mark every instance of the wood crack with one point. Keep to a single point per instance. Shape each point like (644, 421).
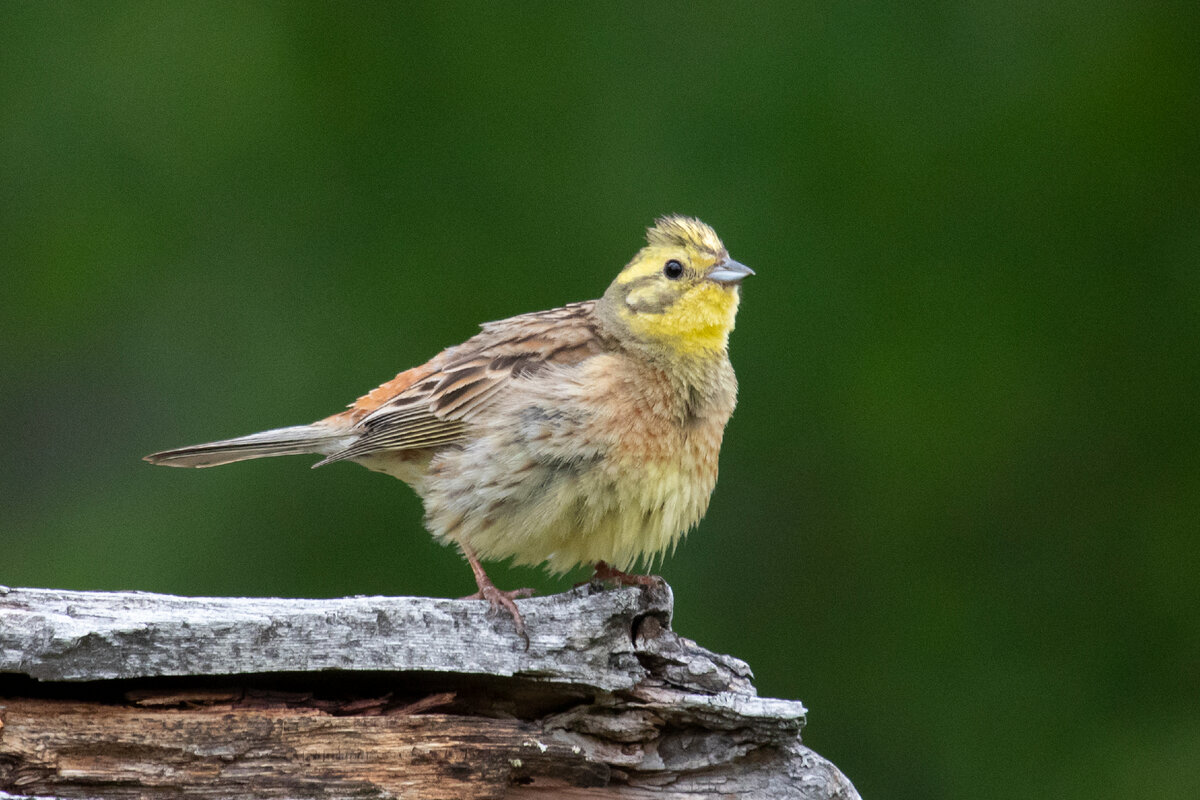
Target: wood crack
(126, 694)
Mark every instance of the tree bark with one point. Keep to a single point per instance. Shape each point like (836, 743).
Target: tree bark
(129, 694)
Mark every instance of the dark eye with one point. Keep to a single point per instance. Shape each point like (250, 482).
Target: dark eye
(673, 269)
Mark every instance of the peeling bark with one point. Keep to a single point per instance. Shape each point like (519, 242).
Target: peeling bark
(128, 694)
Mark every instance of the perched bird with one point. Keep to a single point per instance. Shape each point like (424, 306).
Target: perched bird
(586, 434)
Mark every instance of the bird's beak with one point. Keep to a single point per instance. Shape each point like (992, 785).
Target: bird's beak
(729, 272)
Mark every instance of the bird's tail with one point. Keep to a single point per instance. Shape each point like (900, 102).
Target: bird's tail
(293, 441)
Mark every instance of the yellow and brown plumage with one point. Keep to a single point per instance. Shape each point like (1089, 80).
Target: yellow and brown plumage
(586, 434)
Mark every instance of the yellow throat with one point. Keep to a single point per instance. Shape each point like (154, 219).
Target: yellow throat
(680, 292)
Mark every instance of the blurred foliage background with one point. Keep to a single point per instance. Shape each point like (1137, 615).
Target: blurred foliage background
(960, 497)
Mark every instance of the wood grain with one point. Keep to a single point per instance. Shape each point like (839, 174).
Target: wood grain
(123, 694)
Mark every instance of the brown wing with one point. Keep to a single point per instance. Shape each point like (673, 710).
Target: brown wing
(433, 404)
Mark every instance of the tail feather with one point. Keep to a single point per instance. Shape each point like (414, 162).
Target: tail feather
(296, 440)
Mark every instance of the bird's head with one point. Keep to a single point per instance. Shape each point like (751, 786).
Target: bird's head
(680, 291)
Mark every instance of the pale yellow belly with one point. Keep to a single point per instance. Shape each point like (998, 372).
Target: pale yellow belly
(619, 514)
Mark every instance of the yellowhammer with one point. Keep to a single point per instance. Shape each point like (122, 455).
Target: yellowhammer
(584, 434)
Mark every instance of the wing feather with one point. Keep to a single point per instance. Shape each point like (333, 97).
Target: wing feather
(433, 405)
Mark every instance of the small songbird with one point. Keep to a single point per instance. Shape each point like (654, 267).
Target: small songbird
(586, 434)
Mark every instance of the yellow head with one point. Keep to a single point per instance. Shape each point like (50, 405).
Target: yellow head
(680, 292)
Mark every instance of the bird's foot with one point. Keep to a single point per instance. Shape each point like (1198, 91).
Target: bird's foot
(608, 574)
(497, 598)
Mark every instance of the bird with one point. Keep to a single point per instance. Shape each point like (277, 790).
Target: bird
(585, 434)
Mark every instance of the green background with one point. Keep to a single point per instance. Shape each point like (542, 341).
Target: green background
(960, 497)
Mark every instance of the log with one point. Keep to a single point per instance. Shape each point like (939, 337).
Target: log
(131, 694)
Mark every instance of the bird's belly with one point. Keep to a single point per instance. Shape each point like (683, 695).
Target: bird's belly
(619, 511)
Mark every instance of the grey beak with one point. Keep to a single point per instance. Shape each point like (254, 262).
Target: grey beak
(729, 272)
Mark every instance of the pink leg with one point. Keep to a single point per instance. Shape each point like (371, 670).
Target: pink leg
(497, 598)
(613, 575)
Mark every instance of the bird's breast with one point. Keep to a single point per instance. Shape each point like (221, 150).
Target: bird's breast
(613, 462)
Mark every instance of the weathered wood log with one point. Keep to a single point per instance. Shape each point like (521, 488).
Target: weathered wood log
(128, 694)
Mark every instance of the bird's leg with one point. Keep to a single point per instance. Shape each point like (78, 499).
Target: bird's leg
(497, 598)
(609, 574)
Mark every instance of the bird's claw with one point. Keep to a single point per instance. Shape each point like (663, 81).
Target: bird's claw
(498, 599)
(608, 574)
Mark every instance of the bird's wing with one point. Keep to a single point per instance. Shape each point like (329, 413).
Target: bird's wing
(433, 404)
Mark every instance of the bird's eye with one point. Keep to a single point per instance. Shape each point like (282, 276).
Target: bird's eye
(673, 269)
